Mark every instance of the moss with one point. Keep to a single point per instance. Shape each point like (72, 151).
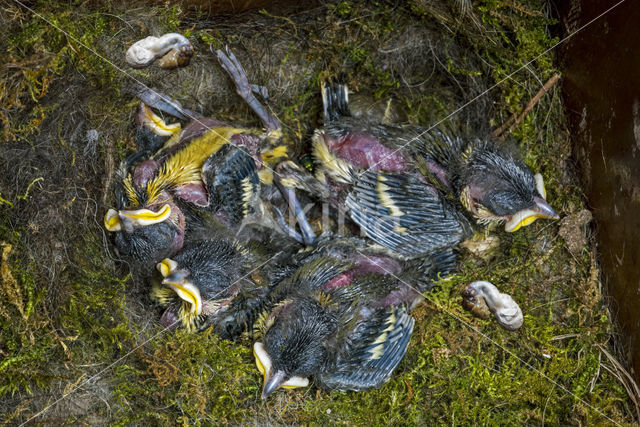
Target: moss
(170, 17)
(26, 343)
(44, 49)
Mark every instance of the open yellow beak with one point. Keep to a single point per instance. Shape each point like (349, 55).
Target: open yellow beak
(262, 358)
(166, 266)
(117, 220)
(527, 216)
(158, 126)
(542, 209)
(112, 220)
(185, 290)
(272, 381)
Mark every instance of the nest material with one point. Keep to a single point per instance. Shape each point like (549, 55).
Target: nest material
(79, 318)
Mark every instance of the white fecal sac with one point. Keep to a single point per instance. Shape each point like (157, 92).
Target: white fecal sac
(504, 308)
(145, 51)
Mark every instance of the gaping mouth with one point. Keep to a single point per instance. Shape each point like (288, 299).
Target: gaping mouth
(185, 290)
(117, 220)
(158, 126)
(522, 218)
(167, 266)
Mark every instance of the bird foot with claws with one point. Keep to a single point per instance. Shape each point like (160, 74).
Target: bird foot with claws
(230, 64)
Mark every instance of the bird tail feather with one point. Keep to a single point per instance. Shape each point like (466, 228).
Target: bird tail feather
(335, 101)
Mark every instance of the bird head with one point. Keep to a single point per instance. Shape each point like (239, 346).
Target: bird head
(146, 235)
(178, 288)
(152, 132)
(274, 378)
(293, 346)
(499, 187)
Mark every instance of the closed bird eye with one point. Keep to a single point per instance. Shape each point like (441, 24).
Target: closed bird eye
(503, 202)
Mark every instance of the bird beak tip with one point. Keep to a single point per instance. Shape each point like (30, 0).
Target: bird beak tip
(523, 218)
(545, 209)
(112, 220)
(272, 383)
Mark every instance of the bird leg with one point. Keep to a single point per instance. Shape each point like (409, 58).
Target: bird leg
(289, 194)
(260, 90)
(230, 63)
(282, 223)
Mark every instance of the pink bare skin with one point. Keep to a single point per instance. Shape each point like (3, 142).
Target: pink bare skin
(364, 265)
(365, 152)
(144, 172)
(193, 193)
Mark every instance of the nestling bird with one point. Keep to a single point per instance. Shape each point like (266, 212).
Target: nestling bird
(341, 318)
(214, 282)
(383, 192)
(159, 197)
(408, 186)
(208, 167)
(489, 181)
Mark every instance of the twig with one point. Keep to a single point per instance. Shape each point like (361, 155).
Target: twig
(496, 133)
(109, 166)
(514, 121)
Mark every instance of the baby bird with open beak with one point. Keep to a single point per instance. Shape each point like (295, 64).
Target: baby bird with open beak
(213, 282)
(489, 180)
(209, 168)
